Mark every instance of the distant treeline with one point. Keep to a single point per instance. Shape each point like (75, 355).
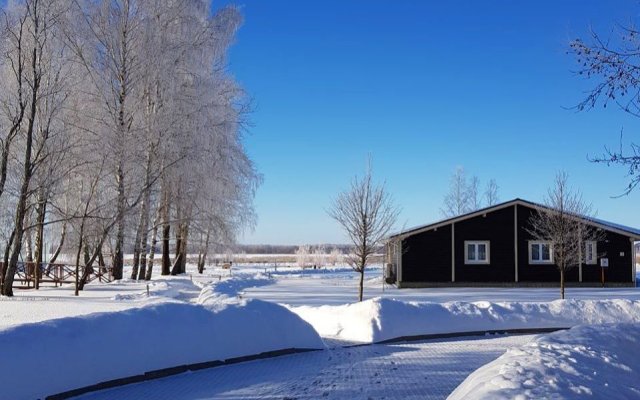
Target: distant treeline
(288, 249)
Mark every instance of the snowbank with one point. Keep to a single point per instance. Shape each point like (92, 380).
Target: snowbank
(58, 355)
(380, 319)
(597, 361)
(221, 293)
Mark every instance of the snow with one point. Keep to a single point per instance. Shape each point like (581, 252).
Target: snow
(230, 290)
(338, 286)
(144, 337)
(129, 327)
(590, 361)
(380, 319)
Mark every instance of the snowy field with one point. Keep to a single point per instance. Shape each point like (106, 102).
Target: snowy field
(336, 286)
(252, 309)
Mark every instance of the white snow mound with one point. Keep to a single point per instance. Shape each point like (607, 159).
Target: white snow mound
(53, 356)
(230, 291)
(588, 361)
(381, 319)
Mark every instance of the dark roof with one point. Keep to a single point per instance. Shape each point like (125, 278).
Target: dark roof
(628, 231)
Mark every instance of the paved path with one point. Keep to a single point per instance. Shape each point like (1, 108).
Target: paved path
(416, 370)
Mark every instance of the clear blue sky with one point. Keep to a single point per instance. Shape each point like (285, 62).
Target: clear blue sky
(423, 87)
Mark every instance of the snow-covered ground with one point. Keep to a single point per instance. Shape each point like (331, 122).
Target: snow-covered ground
(237, 309)
(336, 286)
(596, 362)
(379, 319)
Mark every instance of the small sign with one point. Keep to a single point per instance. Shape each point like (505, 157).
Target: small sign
(604, 262)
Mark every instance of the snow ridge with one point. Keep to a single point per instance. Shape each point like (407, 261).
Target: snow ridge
(596, 361)
(382, 319)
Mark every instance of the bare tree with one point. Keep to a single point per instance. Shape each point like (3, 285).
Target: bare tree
(613, 63)
(491, 193)
(563, 225)
(366, 212)
(473, 194)
(456, 202)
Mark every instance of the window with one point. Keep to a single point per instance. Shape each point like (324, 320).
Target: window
(591, 252)
(476, 252)
(540, 253)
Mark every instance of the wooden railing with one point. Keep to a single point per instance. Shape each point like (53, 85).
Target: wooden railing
(56, 273)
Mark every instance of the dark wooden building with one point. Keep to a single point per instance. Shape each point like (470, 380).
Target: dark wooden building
(492, 247)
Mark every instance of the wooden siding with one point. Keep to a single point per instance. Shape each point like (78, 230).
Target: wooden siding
(619, 269)
(427, 256)
(497, 228)
(535, 272)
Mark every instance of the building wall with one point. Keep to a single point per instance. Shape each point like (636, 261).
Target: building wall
(496, 227)
(619, 266)
(617, 249)
(426, 256)
(535, 272)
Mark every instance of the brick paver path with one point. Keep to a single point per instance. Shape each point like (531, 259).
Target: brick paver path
(416, 370)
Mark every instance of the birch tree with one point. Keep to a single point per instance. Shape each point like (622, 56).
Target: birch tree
(35, 54)
(456, 201)
(491, 193)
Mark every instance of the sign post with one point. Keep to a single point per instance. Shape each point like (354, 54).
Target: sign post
(604, 263)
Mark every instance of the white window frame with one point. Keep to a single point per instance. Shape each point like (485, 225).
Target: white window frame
(475, 243)
(594, 260)
(540, 243)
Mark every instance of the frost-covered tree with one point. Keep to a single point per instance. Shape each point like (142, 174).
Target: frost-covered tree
(119, 123)
(367, 213)
(456, 201)
(473, 194)
(303, 255)
(335, 256)
(464, 195)
(491, 193)
(34, 62)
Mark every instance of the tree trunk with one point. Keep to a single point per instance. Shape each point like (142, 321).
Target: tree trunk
(361, 285)
(183, 250)
(28, 241)
(101, 264)
(205, 250)
(562, 284)
(21, 207)
(5, 259)
(136, 246)
(152, 251)
(144, 216)
(118, 254)
(179, 266)
(80, 240)
(40, 216)
(56, 253)
(166, 234)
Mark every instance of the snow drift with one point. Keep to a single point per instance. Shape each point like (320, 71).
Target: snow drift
(380, 319)
(216, 294)
(597, 361)
(59, 355)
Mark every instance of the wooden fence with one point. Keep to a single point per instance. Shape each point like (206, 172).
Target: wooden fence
(56, 273)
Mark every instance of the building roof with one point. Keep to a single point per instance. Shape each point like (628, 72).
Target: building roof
(611, 226)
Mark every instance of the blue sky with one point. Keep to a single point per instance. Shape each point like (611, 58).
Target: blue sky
(424, 87)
